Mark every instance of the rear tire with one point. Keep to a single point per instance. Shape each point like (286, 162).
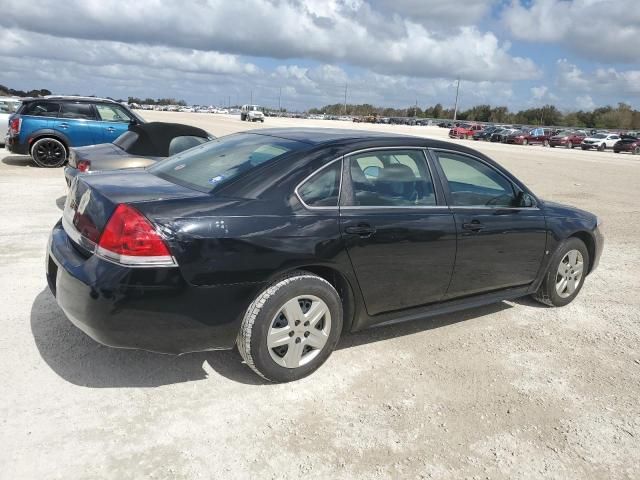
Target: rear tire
(291, 327)
(565, 275)
(49, 152)
(569, 145)
(545, 143)
(636, 151)
(525, 142)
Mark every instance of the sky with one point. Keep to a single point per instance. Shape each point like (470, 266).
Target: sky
(576, 54)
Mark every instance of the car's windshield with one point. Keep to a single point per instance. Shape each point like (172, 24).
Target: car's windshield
(215, 163)
(8, 106)
(600, 135)
(255, 108)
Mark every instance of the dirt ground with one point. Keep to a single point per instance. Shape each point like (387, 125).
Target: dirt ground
(512, 390)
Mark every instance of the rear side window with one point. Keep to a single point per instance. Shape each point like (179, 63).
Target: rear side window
(82, 111)
(112, 113)
(323, 188)
(216, 163)
(41, 109)
(393, 178)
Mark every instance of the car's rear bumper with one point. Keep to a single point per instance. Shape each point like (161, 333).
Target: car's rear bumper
(151, 309)
(14, 146)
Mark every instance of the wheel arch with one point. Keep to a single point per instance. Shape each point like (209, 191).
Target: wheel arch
(589, 242)
(40, 134)
(342, 286)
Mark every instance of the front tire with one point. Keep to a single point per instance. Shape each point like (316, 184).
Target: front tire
(291, 327)
(565, 275)
(601, 147)
(49, 152)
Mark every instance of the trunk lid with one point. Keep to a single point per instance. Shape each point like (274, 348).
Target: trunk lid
(92, 200)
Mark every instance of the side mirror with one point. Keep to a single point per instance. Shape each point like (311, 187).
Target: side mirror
(525, 200)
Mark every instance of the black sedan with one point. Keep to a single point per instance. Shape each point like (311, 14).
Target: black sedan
(140, 146)
(281, 241)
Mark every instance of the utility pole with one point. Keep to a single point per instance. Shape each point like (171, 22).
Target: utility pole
(279, 101)
(345, 98)
(251, 102)
(229, 102)
(415, 110)
(455, 110)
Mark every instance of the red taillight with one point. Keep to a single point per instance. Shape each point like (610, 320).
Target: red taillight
(14, 126)
(130, 239)
(84, 165)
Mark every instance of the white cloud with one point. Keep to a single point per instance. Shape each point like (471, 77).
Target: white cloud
(329, 31)
(603, 81)
(602, 30)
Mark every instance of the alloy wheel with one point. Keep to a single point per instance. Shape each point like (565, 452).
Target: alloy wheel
(49, 152)
(569, 273)
(299, 331)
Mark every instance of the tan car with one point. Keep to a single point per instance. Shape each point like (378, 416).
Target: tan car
(140, 146)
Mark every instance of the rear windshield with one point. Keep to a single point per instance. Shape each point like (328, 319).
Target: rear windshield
(215, 163)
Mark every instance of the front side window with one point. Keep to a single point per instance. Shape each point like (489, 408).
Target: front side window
(42, 109)
(112, 113)
(215, 163)
(82, 111)
(473, 183)
(394, 178)
(323, 188)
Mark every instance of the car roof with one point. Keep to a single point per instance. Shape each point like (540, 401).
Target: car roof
(317, 136)
(70, 98)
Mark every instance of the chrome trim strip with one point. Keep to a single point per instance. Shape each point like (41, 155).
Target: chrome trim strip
(133, 261)
(384, 207)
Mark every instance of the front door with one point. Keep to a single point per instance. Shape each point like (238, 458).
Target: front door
(399, 235)
(114, 121)
(501, 233)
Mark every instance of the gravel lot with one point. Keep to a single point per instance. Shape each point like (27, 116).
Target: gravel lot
(511, 390)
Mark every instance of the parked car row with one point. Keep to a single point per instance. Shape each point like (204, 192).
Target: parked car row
(548, 137)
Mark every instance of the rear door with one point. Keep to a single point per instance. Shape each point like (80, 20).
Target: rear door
(76, 122)
(113, 120)
(501, 232)
(399, 235)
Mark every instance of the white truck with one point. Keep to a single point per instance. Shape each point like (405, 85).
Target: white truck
(252, 113)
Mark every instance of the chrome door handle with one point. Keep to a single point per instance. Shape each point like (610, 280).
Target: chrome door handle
(111, 129)
(63, 125)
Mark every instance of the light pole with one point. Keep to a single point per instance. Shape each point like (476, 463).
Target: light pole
(455, 110)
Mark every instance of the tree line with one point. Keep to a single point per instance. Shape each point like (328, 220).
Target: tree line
(622, 116)
(10, 92)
